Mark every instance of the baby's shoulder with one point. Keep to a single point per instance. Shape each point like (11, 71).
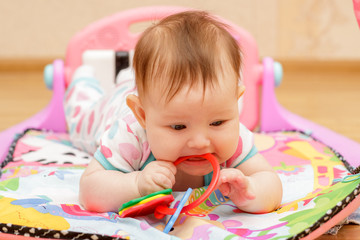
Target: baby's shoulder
(126, 129)
(245, 133)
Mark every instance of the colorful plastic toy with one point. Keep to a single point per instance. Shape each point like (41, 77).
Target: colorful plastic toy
(159, 202)
(147, 204)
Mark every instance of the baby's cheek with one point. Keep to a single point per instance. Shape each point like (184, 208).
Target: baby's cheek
(228, 145)
(163, 148)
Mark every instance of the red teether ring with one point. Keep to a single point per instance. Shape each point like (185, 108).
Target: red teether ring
(216, 173)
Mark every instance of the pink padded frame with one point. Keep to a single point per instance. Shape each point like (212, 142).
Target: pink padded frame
(113, 33)
(356, 4)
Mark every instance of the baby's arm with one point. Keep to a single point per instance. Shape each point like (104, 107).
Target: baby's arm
(253, 186)
(104, 190)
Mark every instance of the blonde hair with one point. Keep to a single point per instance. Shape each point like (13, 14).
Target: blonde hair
(185, 49)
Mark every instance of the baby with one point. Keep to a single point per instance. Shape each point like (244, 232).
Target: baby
(184, 102)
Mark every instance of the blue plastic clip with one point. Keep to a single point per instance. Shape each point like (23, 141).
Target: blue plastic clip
(173, 218)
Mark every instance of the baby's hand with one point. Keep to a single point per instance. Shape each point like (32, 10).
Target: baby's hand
(234, 184)
(156, 176)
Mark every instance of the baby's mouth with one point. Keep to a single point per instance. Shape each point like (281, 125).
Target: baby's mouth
(194, 160)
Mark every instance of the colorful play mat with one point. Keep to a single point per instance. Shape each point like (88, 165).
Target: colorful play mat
(41, 170)
(40, 183)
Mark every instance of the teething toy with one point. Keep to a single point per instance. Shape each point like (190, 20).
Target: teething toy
(159, 202)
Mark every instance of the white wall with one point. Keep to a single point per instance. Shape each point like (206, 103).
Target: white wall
(295, 29)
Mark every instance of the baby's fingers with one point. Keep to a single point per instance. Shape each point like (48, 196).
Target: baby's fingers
(243, 185)
(224, 186)
(236, 186)
(167, 165)
(164, 180)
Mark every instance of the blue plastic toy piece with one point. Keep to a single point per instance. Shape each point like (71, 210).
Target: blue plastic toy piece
(173, 218)
(278, 73)
(48, 76)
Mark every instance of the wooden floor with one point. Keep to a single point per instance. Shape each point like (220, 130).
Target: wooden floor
(329, 97)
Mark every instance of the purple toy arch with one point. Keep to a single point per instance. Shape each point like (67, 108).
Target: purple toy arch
(51, 118)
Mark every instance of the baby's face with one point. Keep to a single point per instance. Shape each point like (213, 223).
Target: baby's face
(193, 123)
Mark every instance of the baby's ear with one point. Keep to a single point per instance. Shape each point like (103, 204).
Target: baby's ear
(137, 108)
(240, 91)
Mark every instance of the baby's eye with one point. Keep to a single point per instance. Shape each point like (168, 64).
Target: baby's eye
(178, 127)
(217, 123)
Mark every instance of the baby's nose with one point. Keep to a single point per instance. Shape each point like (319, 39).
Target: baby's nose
(199, 141)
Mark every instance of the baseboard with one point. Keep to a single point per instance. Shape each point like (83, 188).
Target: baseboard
(24, 64)
(38, 64)
(352, 66)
